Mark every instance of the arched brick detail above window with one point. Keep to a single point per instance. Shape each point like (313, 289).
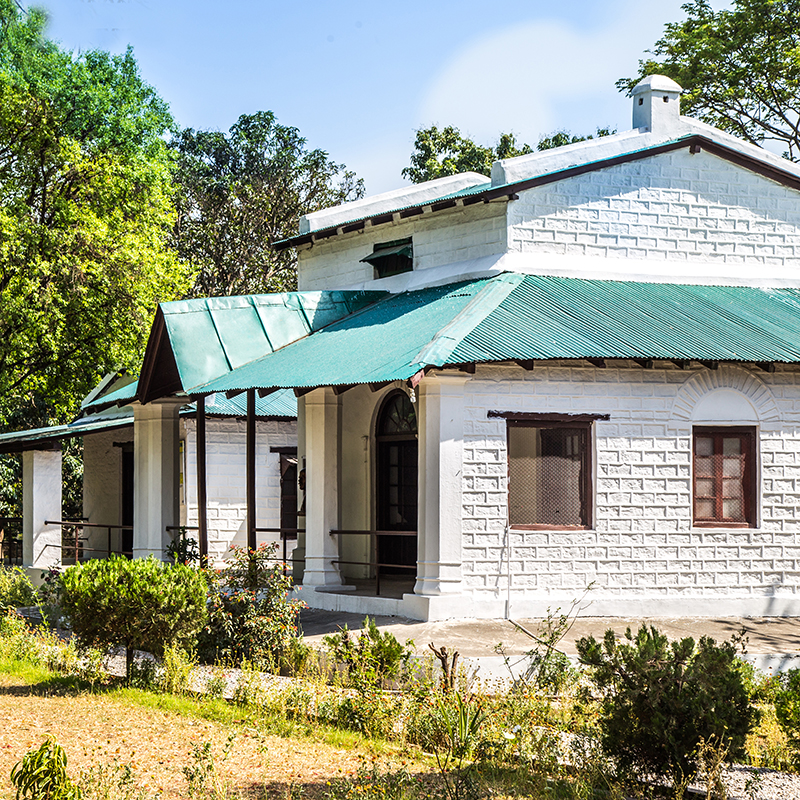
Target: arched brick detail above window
(730, 384)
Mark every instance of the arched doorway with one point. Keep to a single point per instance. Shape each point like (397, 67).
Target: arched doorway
(397, 472)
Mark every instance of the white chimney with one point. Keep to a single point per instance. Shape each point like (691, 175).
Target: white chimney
(657, 104)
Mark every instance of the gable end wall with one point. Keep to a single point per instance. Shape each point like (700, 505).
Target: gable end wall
(675, 206)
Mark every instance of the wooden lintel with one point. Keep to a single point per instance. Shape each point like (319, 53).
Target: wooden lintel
(710, 364)
(525, 363)
(680, 363)
(767, 366)
(376, 387)
(644, 363)
(597, 362)
(337, 390)
(234, 393)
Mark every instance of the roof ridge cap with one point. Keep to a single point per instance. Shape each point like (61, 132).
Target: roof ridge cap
(497, 288)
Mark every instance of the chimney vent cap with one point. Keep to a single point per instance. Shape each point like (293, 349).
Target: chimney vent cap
(656, 83)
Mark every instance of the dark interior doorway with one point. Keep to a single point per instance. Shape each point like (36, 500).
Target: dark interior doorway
(397, 477)
(126, 536)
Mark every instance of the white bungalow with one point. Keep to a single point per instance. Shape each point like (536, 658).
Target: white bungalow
(583, 370)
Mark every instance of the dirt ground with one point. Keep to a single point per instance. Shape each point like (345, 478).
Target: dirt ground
(96, 729)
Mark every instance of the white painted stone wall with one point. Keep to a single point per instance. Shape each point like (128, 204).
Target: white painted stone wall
(675, 206)
(225, 469)
(439, 239)
(643, 555)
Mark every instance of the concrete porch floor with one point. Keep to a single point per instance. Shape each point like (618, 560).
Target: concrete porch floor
(773, 643)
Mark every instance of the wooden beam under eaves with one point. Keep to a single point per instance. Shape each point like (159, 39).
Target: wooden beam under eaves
(337, 390)
(644, 363)
(767, 366)
(525, 363)
(234, 393)
(600, 363)
(266, 392)
(681, 363)
(710, 364)
(376, 387)
(304, 391)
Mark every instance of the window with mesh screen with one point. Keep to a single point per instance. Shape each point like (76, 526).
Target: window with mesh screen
(724, 476)
(548, 474)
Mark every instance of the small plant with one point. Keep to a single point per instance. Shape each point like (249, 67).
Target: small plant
(458, 722)
(111, 782)
(371, 658)
(183, 549)
(217, 682)
(176, 669)
(371, 783)
(661, 699)
(202, 775)
(16, 589)
(141, 603)
(42, 775)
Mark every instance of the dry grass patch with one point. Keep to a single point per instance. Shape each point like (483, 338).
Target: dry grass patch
(103, 729)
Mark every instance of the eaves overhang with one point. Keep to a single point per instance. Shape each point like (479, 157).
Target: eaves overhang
(695, 142)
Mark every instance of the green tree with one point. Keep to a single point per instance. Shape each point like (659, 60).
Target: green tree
(85, 214)
(239, 192)
(739, 68)
(438, 153)
(141, 603)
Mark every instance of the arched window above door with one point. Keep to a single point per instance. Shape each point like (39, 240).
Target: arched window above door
(397, 417)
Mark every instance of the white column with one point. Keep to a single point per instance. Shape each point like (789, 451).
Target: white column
(298, 566)
(156, 489)
(41, 500)
(322, 488)
(441, 432)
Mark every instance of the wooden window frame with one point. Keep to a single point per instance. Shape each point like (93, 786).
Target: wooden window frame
(580, 422)
(749, 437)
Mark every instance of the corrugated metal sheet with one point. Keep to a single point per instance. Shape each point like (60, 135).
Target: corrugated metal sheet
(280, 404)
(211, 336)
(380, 343)
(533, 317)
(549, 317)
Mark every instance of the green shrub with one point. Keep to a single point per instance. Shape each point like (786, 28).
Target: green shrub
(661, 699)
(142, 604)
(16, 589)
(787, 708)
(42, 775)
(251, 613)
(370, 658)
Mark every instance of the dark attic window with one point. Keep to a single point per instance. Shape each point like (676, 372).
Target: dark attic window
(391, 258)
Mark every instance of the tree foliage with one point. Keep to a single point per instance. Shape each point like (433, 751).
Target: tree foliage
(85, 212)
(739, 68)
(141, 603)
(438, 153)
(241, 191)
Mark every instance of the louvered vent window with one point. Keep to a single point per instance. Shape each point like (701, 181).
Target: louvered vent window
(391, 258)
(549, 475)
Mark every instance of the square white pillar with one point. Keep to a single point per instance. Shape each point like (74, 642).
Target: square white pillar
(441, 433)
(156, 477)
(41, 500)
(322, 489)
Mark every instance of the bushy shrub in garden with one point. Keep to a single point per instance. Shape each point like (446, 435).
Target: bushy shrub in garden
(787, 708)
(16, 589)
(141, 603)
(251, 613)
(662, 699)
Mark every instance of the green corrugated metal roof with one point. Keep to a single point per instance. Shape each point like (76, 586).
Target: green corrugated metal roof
(280, 404)
(211, 336)
(514, 316)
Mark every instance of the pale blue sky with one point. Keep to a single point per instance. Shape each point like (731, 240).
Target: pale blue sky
(358, 78)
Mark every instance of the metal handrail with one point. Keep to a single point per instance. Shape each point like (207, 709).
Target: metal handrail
(79, 526)
(377, 564)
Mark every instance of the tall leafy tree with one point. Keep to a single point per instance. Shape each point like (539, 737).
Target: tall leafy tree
(739, 67)
(239, 192)
(85, 214)
(438, 153)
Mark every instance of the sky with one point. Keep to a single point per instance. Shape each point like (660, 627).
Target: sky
(358, 79)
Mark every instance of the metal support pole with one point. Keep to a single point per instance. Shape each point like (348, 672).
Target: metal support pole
(251, 469)
(202, 495)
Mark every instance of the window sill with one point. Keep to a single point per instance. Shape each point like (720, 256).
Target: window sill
(723, 525)
(539, 527)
